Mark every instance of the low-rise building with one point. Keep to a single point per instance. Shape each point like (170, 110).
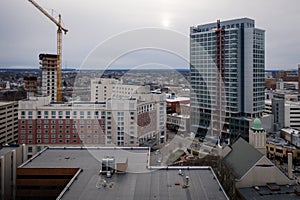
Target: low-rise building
(243, 166)
(174, 103)
(76, 173)
(278, 149)
(178, 122)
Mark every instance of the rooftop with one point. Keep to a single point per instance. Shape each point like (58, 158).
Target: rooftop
(291, 130)
(4, 103)
(176, 99)
(5, 149)
(239, 149)
(280, 142)
(264, 193)
(140, 182)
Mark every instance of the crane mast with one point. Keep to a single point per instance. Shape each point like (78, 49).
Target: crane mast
(60, 29)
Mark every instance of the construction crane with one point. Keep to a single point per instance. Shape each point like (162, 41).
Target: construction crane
(60, 29)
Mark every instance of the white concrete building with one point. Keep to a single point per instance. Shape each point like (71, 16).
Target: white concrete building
(283, 85)
(102, 89)
(286, 113)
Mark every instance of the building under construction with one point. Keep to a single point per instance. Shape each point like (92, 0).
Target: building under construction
(49, 67)
(50, 63)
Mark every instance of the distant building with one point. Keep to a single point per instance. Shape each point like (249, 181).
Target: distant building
(288, 75)
(284, 85)
(227, 66)
(174, 103)
(30, 85)
(270, 83)
(180, 120)
(285, 107)
(180, 123)
(8, 122)
(103, 89)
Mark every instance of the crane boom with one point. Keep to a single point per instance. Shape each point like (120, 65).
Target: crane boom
(59, 46)
(58, 23)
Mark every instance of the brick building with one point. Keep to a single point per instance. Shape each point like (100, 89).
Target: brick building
(121, 122)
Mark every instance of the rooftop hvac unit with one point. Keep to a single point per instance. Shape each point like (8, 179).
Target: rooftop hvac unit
(108, 164)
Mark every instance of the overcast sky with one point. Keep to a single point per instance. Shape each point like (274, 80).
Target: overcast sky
(25, 32)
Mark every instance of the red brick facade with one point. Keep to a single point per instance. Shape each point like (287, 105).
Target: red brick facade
(61, 131)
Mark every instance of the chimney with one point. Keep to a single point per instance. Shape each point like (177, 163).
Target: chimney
(187, 180)
(290, 165)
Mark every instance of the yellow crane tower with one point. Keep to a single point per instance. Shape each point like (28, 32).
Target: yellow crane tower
(59, 46)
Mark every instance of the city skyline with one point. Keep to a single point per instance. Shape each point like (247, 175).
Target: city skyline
(29, 33)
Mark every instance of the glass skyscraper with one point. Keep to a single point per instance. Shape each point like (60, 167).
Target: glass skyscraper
(227, 63)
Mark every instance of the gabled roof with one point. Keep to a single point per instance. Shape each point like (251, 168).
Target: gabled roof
(242, 158)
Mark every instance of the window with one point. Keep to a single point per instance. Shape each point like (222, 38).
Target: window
(81, 114)
(75, 114)
(67, 114)
(60, 114)
(30, 114)
(53, 114)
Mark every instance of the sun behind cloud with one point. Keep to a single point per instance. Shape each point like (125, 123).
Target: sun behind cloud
(165, 21)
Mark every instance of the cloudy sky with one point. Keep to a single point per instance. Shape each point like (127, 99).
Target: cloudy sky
(97, 27)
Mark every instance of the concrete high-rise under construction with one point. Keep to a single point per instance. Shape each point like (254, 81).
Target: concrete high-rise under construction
(50, 77)
(227, 63)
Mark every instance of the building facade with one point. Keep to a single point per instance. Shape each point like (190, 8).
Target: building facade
(114, 122)
(103, 89)
(227, 62)
(8, 122)
(285, 107)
